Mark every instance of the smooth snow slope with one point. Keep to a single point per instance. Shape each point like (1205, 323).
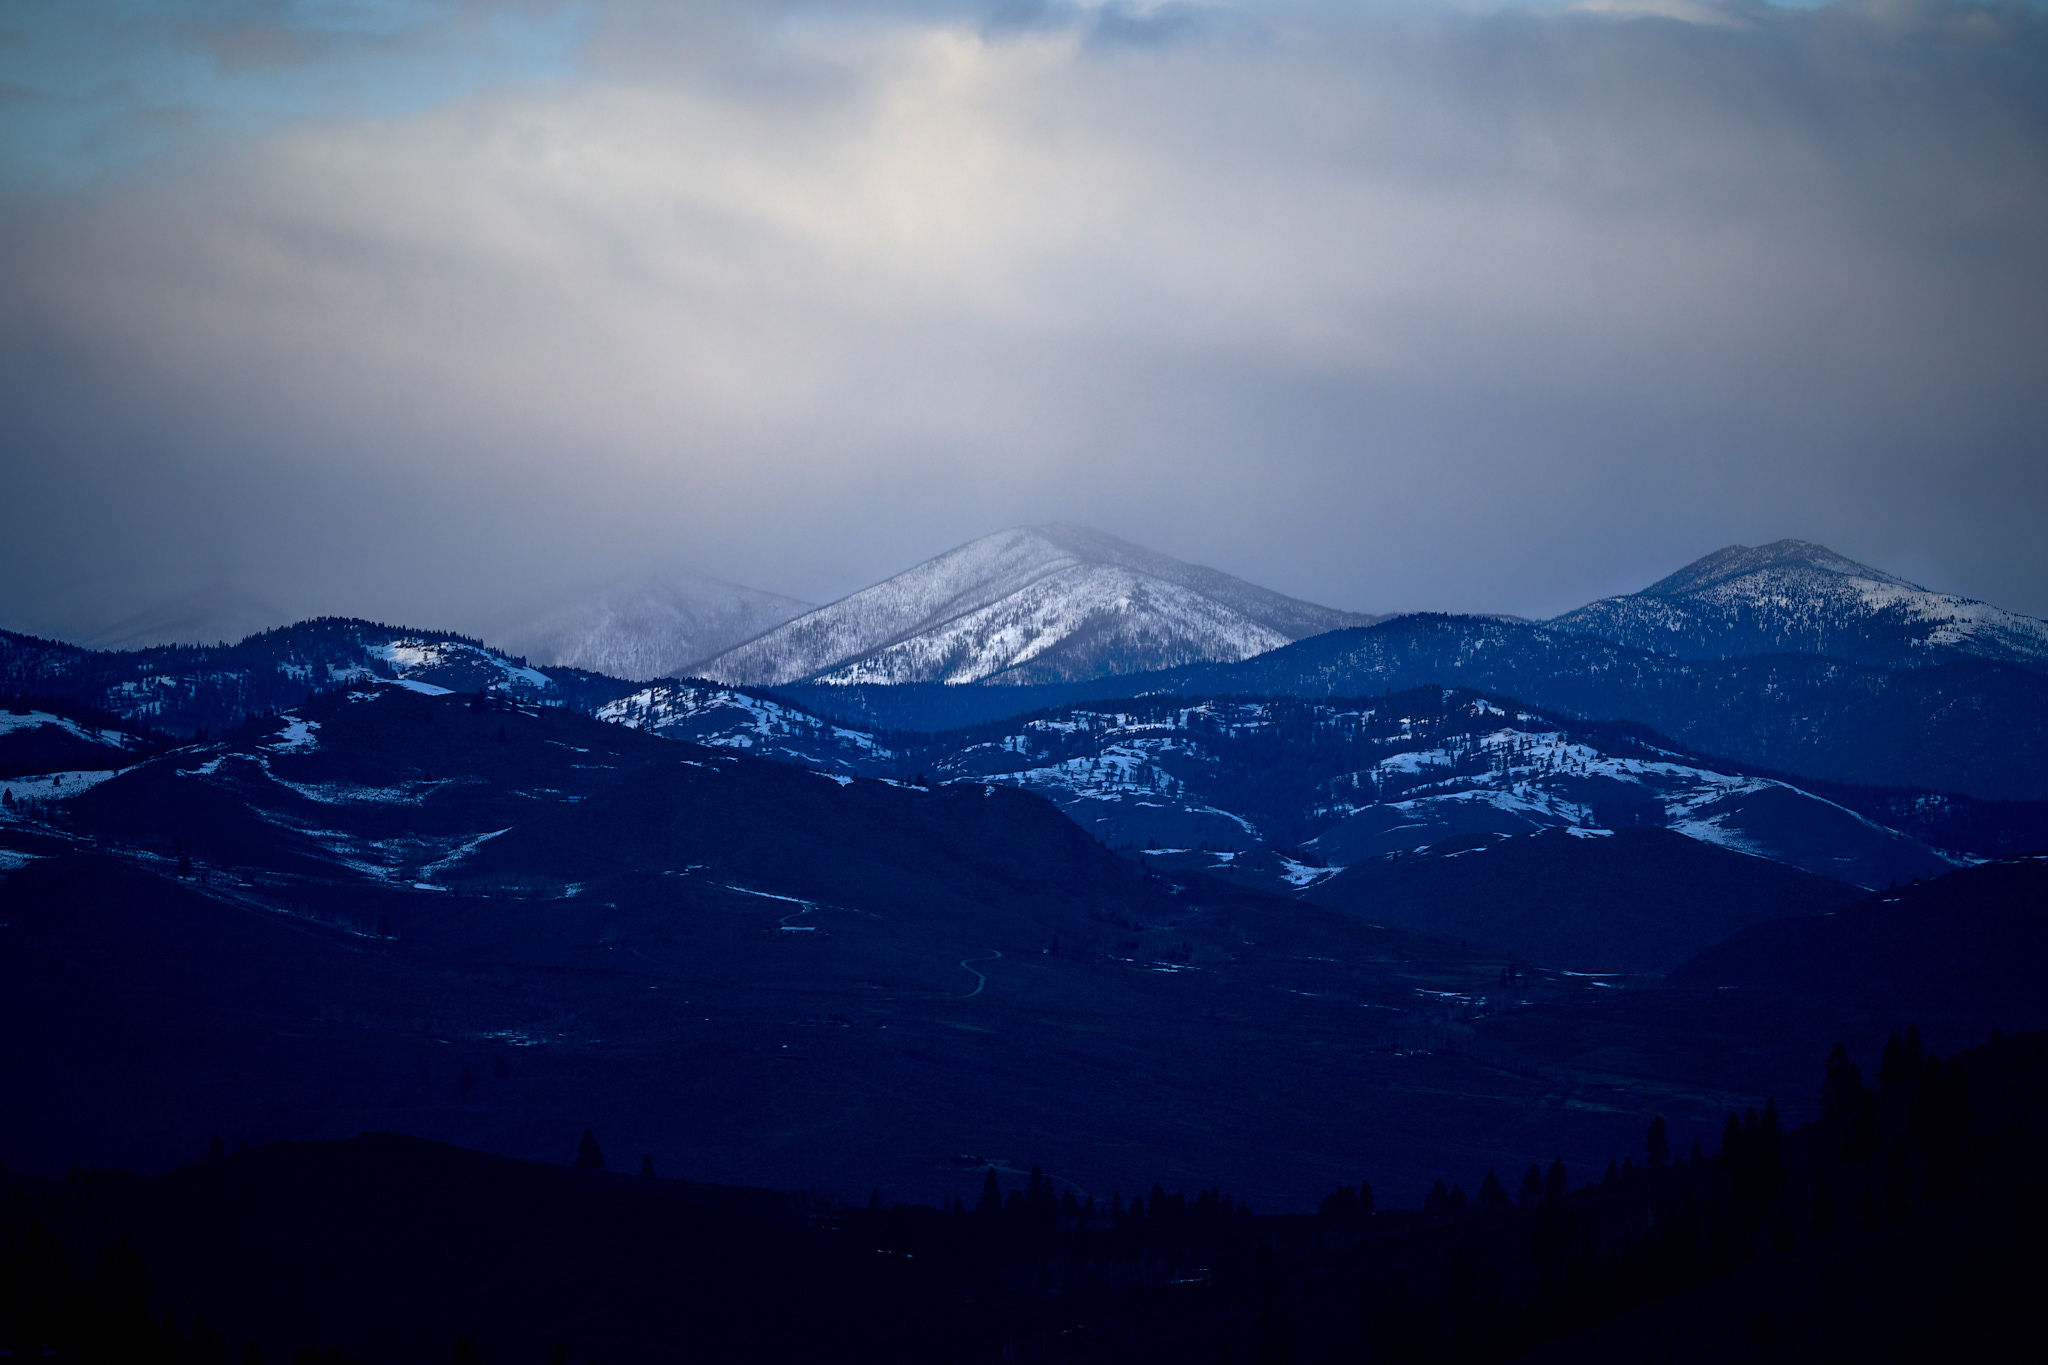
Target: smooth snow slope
(1795, 597)
(1035, 604)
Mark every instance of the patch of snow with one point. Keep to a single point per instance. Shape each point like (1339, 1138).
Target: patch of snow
(461, 851)
(43, 787)
(415, 685)
(297, 737)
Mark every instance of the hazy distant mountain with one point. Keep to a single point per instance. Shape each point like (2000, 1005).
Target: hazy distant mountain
(1794, 597)
(205, 615)
(1035, 604)
(654, 626)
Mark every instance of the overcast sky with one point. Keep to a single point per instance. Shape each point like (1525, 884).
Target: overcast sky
(416, 309)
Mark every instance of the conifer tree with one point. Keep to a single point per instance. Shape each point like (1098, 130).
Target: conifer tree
(1902, 1058)
(1769, 1156)
(991, 1202)
(1841, 1087)
(1657, 1145)
(589, 1156)
(1729, 1158)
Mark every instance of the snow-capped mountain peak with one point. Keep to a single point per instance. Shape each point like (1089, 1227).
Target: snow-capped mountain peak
(1796, 597)
(1036, 603)
(1782, 558)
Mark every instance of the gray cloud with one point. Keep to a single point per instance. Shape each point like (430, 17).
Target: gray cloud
(1387, 307)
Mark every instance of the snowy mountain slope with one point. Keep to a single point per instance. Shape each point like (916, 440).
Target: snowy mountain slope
(1976, 727)
(723, 718)
(1285, 790)
(1033, 604)
(1792, 596)
(36, 740)
(403, 787)
(182, 688)
(647, 627)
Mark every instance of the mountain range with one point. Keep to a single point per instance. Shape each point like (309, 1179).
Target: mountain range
(1421, 899)
(1978, 728)
(1062, 603)
(485, 920)
(400, 908)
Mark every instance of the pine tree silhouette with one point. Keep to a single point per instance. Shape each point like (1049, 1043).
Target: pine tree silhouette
(1902, 1058)
(1841, 1087)
(589, 1156)
(991, 1202)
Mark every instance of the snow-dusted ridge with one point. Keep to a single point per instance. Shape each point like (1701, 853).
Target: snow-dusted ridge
(1034, 604)
(728, 719)
(1792, 596)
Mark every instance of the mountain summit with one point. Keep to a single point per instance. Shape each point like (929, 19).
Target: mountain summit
(1035, 604)
(1795, 597)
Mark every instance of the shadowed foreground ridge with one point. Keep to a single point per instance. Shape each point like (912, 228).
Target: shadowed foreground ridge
(1901, 1225)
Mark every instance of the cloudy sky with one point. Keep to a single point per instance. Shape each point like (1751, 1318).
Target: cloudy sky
(419, 308)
